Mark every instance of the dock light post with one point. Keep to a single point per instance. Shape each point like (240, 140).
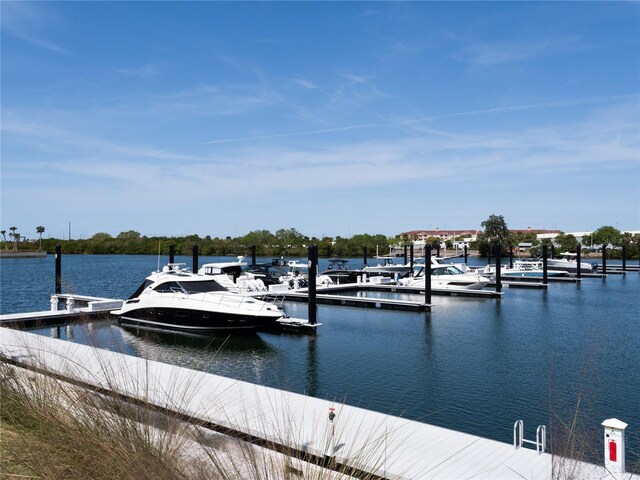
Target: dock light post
(498, 268)
(624, 257)
(466, 254)
(604, 259)
(578, 262)
(194, 254)
(58, 286)
(427, 274)
(253, 255)
(544, 263)
(614, 445)
(311, 290)
(171, 254)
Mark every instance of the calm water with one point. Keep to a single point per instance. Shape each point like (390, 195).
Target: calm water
(474, 365)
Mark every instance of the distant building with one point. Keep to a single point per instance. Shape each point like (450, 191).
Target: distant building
(469, 235)
(444, 235)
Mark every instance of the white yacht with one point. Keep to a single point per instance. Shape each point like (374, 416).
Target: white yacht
(569, 263)
(387, 268)
(177, 299)
(446, 277)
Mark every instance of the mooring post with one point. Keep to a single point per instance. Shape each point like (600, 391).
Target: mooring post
(553, 250)
(489, 254)
(427, 274)
(624, 257)
(171, 254)
(498, 268)
(194, 254)
(411, 260)
(58, 286)
(510, 256)
(604, 259)
(253, 255)
(544, 263)
(311, 290)
(438, 250)
(364, 254)
(466, 256)
(578, 260)
(405, 253)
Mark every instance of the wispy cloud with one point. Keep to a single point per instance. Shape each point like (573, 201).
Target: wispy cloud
(488, 54)
(148, 71)
(523, 107)
(33, 23)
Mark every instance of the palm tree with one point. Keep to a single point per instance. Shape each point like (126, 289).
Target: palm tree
(13, 234)
(40, 231)
(4, 238)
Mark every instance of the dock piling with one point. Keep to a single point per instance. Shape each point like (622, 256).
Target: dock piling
(553, 250)
(427, 274)
(58, 285)
(544, 263)
(411, 261)
(405, 254)
(194, 253)
(171, 254)
(364, 254)
(313, 271)
(510, 256)
(253, 255)
(624, 257)
(466, 254)
(604, 259)
(578, 262)
(498, 268)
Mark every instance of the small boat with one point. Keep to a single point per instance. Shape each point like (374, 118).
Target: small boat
(446, 277)
(340, 272)
(388, 268)
(569, 263)
(177, 299)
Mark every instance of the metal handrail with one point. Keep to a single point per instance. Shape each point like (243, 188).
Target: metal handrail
(519, 440)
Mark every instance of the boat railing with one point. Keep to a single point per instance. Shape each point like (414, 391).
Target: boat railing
(229, 299)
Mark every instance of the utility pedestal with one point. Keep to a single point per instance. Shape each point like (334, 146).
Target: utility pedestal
(614, 445)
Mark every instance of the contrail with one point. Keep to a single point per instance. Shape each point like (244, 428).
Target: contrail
(294, 134)
(489, 111)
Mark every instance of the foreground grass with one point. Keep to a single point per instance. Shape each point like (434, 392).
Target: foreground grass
(53, 430)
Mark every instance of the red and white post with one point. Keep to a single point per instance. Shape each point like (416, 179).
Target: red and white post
(614, 445)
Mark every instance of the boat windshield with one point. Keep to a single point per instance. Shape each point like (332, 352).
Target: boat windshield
(449, 270)
(202, 286)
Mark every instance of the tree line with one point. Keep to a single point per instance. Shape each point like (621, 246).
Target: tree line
(290, 242)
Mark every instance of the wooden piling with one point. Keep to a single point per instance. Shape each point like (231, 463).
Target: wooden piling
(58, 271)
(313, 272)
(194, 254)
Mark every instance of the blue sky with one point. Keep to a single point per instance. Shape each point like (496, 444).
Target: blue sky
(332, 118)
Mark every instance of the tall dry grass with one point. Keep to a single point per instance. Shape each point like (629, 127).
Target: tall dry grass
(54, 429)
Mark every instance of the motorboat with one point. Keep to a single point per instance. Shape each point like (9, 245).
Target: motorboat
(297, 276)
(569, 263)
(177, 299)
(530, 268)
(387, 268)
(340, 272)
(446, 277)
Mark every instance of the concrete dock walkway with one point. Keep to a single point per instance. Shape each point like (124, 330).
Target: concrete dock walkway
(391, 447)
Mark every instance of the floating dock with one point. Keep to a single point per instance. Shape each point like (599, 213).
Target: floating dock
(380, 446)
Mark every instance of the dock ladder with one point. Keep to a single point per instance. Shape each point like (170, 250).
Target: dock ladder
(519, 440)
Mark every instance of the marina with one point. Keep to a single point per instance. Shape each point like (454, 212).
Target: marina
(371, 358)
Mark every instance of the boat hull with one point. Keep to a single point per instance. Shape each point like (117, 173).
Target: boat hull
(200, 321)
